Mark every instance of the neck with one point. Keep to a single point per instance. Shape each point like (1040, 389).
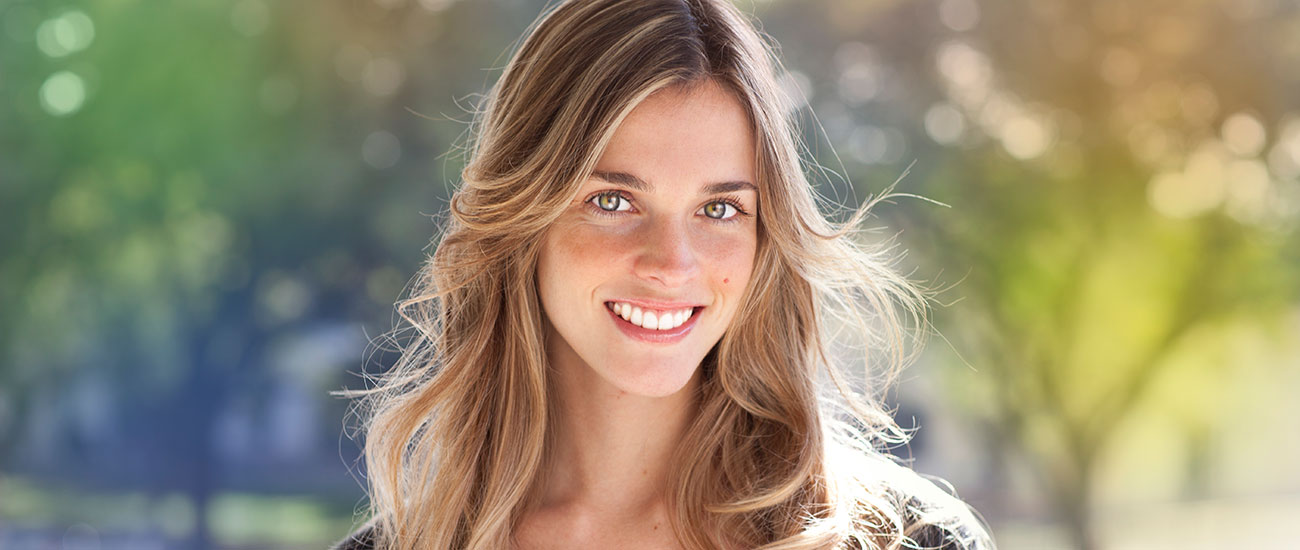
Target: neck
(612, 449)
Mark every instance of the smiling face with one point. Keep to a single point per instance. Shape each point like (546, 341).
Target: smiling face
(666, 227)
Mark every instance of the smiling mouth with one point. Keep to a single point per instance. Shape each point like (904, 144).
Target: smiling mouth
(653, 319)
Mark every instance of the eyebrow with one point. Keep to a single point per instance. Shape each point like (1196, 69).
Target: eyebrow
(628, 180)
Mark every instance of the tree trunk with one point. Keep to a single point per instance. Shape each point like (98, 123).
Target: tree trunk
(1075, 500)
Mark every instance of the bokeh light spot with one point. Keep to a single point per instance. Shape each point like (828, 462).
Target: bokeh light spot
(1243, 134)
(944, 123)
(797, 89)
(859, 84)
(350, 62)
(968, 72)
(1284, 157)
(870, 144)
(1197, 189)
(62, 93)
(381, 150)
(1166, 193)
(1025, 137)
(1247, 191)
(70, 32)
(382, 76)
(281, 297)
(860, 72)
(78, 209)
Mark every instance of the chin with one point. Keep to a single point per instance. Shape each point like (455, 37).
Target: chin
(652, 380)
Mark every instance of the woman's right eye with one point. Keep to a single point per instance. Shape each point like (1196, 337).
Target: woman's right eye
(611, 202)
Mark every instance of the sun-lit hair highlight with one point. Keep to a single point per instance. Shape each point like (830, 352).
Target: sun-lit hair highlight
(786, 451)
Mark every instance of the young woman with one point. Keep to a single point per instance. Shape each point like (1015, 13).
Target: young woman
(620, 335)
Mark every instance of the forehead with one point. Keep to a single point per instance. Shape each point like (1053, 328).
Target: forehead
(680, 136)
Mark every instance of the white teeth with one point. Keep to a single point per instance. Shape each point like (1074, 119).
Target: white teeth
(651, 319)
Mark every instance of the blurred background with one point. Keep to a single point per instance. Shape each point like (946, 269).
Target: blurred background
(208, 208)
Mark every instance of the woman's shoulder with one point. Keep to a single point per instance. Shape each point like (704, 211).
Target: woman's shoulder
(361, 539)
(927, 509)
(930, 512)
(946, 523)
(934, 517)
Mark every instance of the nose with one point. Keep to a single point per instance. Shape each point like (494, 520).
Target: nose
(667, 256)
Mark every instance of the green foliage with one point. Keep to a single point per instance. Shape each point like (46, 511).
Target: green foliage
(189, 188)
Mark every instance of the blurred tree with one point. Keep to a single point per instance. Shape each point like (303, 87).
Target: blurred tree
(184, 187)
(188, 191)
(178, 195)
(1115, 196)
(1074, 310)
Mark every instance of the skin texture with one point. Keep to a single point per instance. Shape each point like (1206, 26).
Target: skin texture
(624, 403)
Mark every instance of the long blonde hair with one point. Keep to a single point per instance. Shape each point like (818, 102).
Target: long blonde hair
(456, 433)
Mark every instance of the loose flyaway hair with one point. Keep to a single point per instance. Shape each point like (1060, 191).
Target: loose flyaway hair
(786, 451)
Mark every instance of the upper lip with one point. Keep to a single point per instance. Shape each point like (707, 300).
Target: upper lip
(653, 304)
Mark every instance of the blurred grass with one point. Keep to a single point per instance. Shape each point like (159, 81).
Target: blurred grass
(237, 519)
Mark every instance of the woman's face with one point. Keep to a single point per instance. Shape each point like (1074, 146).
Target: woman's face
(666, 227)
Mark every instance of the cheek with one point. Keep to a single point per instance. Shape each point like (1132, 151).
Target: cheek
(574, 257)
(729, 259)
(578, 248)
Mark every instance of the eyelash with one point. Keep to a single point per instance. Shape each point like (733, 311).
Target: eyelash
(733, 201)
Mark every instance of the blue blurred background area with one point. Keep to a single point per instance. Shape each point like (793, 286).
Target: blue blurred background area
(208, 209)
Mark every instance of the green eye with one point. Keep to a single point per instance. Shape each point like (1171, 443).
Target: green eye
(718, 210)
(610, 202)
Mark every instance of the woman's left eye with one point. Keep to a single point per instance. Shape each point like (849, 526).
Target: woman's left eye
(720, 210)
(611, 202)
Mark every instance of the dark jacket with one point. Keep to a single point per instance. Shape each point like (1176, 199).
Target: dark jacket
(361, 539)
(958, 534)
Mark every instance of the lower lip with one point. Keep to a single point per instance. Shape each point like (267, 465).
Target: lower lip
(655, 336)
